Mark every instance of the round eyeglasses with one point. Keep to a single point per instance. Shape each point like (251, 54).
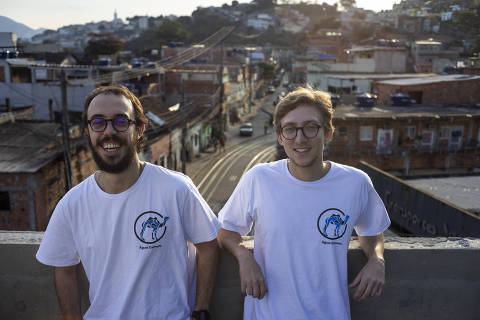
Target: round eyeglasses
(119, 123)
(309, 131)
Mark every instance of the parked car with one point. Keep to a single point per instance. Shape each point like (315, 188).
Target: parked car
(366, 100)
(271, 89)
(400, 99)
(246, 129)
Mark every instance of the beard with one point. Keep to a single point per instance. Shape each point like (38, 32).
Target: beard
(116, 167)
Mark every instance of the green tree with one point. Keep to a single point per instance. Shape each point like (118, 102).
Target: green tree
(265, 4)
(347, 4)
(170, 31)
(107, 46)
(268, 70)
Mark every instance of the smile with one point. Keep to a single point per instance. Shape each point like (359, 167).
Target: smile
(110, 146)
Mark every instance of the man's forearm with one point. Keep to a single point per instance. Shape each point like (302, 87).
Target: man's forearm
(233, 243)
(68, 294)
(207, 261)
(372, 246)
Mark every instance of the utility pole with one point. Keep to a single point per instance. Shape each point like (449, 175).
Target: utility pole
(65, 132)
(250, 80)
(184, 128)
(221, 121)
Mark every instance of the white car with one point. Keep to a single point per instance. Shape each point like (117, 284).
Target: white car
(246, 129)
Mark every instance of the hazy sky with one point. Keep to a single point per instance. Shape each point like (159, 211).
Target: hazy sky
(53, 14)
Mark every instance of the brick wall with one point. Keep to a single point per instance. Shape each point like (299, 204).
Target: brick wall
(451, 92)
(346, 146)
(33, 196)
(160, 148)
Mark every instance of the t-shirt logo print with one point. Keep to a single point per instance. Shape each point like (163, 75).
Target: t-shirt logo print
(332, 223)
(150, 227)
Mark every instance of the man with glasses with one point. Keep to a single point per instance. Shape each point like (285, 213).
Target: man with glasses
(304, 210)
(140, 230)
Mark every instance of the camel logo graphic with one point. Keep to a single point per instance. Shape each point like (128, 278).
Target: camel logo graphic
(150, 227)
(332, 223)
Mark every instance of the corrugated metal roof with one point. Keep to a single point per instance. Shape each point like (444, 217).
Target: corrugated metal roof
(406, 112)
(429, 80)
(378, 76)
(28, 146)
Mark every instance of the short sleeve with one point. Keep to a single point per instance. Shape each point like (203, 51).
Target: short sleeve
(199, 222)
(237, 214)
(58, 246)
(373, 218)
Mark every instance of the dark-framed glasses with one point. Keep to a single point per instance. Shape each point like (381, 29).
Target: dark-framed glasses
(309, 131)
(119, 123)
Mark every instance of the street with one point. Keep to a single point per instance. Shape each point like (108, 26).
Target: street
(217, 174)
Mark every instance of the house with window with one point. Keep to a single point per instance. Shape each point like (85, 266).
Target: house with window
(406, 139)
(32, 171)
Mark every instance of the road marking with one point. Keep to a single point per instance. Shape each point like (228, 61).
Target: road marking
(233, 178)
(231, 154)
(256, 160)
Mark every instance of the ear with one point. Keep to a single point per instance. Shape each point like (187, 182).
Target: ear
(140, 130)
(279, 138)
(329, 135)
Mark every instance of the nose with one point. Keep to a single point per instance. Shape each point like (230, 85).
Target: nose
(300, 136)
(109, 130)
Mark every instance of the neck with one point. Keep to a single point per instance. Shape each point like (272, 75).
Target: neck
(309, 173)
(119, 182)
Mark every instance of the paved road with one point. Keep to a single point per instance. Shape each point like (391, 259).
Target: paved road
(217, 174)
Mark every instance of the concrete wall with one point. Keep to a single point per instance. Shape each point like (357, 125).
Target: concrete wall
(427, 278)
(420, 212)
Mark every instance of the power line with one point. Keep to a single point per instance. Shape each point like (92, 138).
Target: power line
(184, 56)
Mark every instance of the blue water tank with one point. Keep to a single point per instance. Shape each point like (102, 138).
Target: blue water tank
(366, 100)
(400, 99)
(12, 54)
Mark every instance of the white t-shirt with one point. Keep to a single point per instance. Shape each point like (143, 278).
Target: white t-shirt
(136, 246)
(302, 231)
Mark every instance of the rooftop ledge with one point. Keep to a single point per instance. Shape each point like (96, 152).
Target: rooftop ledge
(426, 278)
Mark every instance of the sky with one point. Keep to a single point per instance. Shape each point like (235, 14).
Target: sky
(53, 14)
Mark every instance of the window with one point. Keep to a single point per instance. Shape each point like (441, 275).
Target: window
(4, 201)
(162, 161)
(478, 138)
(427, 138)
(384, 141)
(444, 133)
(409, 132)
(21, 75)
(366, 133)
(455, 137)
(342, 131)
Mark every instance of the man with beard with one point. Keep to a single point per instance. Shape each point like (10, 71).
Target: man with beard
(141, 231)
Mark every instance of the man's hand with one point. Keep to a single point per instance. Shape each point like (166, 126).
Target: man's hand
(251, 276)
(370, 280)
